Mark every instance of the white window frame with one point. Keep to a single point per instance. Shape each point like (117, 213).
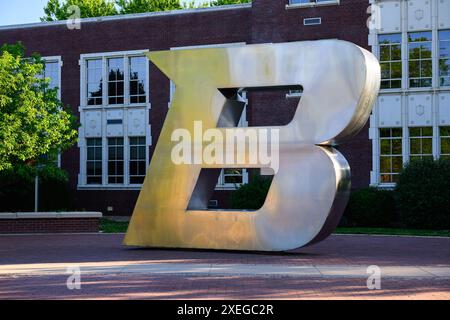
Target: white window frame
(58, 59)
(440, 154)
(104, 108)
(292, 5)
(390, 155)
(392, 61)
(439, 57)
(431, 59)
(308, 21)
(421, 137)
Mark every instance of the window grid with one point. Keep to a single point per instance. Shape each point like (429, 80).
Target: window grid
(444, 137)
(137, 66)
(52, 71)
(233, 176)
(126, 79)
(391, 160)
(115, 161)
(420, 59)
(444, 58)
(420, 143)
(115, 81)
(138, 162)
(310, 1)
(391, 60)
(94, 161)
(94, 83)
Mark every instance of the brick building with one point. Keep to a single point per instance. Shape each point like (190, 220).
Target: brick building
(121, 119)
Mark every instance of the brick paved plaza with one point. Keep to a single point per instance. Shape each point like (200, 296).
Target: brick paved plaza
(34, 266)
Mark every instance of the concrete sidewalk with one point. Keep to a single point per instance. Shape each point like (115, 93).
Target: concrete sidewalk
(35, 267)
(253, 270)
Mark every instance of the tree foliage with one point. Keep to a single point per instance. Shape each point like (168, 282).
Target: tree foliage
(33, 121)
(424, 194)
(139, 6)
(60, 9)
(215, 3)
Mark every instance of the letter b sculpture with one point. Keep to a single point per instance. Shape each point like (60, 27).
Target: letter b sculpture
(309, 192)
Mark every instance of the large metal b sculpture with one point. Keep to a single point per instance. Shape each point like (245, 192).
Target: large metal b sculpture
(308, 195)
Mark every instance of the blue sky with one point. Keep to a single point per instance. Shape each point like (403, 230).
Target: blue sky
(23, 11)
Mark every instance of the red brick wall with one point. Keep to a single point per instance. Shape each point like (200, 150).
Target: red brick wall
(69, 225)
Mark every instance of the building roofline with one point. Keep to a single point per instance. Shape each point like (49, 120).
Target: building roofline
(129, 16)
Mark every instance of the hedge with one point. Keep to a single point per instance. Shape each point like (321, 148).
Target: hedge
(423, 193)
(17, 189)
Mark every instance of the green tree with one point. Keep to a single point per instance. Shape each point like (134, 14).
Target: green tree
(138, 6)
(215, 3)
(33, 122)
(60, 9)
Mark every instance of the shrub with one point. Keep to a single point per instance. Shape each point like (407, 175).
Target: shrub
(424, 194)
(17, 189)
(251, 196)
(371, 207)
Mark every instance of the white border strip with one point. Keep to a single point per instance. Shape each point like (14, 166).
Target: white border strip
(129, 16)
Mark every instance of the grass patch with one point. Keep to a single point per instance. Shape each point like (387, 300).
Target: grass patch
(109, 226)
(394, 232)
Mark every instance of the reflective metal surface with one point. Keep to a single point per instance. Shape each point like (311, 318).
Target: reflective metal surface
(309, 193)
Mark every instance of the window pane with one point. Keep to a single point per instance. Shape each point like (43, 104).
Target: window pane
(94, 161)
(138, 74)
(427, 146)
(391, 160)
(420, 65)
(396, 146)
(445, 145)
(115, 80)
(115, 160)
(385, 164)
(94, 81)
(444, 131)
(397, 164)
(414, 146)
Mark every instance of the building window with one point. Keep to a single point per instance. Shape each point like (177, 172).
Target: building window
(312, 21)
(52, 71)
(138, 75)
(115, 81)
(126, 79)
(391, 60)
(444, 134)
(115, 160)
(138, 162)
(94, 82)
(310, 1)
(94, 161)
(391, 161)
(421, 143)
(444, 58)
(420, 59)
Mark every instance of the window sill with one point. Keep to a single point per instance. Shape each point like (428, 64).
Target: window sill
(386, 186)
(293, 96)
(116, 106)
(109, 188)
(227, 188)
(413, 90)
(312, 4)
